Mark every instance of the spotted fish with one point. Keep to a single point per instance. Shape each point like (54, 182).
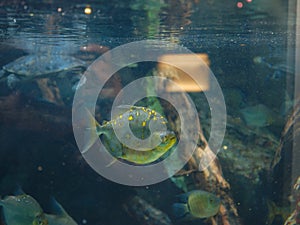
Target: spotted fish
(139, 119)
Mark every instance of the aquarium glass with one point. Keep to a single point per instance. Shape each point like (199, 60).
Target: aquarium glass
(149, 112)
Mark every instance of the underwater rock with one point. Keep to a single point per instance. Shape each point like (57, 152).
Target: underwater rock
(50, 91)
(100, 69)
(285, 165)
(294, 218)
(21, 113)
(144, 213)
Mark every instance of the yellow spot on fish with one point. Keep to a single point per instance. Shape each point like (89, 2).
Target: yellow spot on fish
(130, 118)
(143, 123)
(137, 113)
(120, 116)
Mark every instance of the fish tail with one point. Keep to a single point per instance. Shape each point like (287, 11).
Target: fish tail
(180, 210)
(91, 133)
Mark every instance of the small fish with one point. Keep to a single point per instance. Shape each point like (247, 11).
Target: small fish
(139, 119)
(22, 210)
(61, 217)
(196, 204)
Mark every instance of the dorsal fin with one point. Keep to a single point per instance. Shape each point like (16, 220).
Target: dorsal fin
(121, 109)
(19, 191)
(57, 208)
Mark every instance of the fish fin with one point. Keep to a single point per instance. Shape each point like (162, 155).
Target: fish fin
(93, 122)
(125, 107)
(92, 132)
(121, 109)
(19, 190)
(180, 210)
(57, 208)
(183, 198)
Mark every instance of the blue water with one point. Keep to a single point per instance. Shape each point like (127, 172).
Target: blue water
(251, 54)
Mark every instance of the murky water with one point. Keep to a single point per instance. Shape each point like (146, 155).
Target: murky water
(250, 46)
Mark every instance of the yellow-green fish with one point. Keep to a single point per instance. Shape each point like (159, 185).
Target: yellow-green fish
(196, 204)
(61, 217)
(22, 210)
(139, 119)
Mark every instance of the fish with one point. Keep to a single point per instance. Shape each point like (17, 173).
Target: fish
(258, 116)
(61, 217)
(197, 204)
(22, 209)
(139, 119)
